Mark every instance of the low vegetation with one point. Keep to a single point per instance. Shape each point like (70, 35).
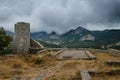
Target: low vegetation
(4, 41)
(72, 67)
(24, 66)
(49, 45)
(115, 47)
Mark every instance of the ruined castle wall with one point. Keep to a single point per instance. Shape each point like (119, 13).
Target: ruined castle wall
(22, 37)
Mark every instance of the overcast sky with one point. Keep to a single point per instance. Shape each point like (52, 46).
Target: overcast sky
(60, 15)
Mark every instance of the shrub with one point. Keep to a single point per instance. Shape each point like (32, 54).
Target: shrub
(17, 65)
(4, 41)
(37, 60)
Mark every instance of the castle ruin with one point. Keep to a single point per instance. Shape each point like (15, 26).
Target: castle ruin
(22, 41)
(22, 37)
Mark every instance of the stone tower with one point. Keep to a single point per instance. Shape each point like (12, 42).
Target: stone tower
(22, 37)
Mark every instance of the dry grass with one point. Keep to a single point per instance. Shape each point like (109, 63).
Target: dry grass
(102, 58)
(101, 67)
(73, 66)
(23, 65)
(31, 65)
(105, 77)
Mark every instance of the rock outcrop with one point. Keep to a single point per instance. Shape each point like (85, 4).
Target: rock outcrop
(87, 37)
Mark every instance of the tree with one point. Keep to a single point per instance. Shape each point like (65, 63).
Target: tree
(4, 40)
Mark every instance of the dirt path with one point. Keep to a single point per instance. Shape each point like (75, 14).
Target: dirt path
(49, 72)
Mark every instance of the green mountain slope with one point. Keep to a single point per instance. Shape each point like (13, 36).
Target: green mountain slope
(78, 38)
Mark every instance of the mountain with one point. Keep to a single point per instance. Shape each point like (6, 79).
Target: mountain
(79, 38)
(108, 35)
(39, 35)
(87, 37)
(49, 45)
(83, 38)
(9, 33)
(75, 34)
(115, 45)
(54, 35)
(78, 31)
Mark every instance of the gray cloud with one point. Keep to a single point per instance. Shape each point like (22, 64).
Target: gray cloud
(60, 15)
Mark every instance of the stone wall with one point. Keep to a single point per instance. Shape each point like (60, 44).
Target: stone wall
(22, 37)
(35, 44)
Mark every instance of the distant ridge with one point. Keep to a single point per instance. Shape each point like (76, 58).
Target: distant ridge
(79, 37)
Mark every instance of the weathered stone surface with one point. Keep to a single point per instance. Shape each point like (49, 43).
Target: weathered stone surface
(73, 54)
(35, 44)
(22, 41)
(85, 75)
(58, 52)
(34, 50)
(22, 37)
(50, 72)
(90, 55)
(113, 63)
